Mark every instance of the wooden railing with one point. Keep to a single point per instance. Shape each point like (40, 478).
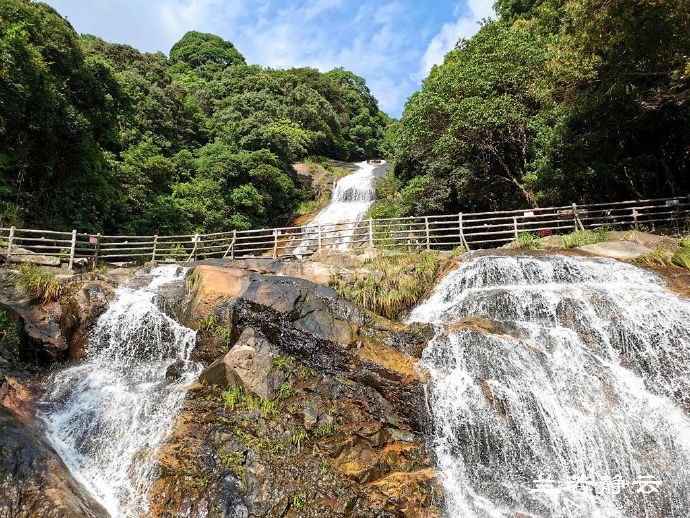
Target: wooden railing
(467, 230)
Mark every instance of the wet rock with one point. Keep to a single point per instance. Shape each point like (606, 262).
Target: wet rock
(313, 324)
(250, 364)
(34, 482)
(80, 310)
(176, 370)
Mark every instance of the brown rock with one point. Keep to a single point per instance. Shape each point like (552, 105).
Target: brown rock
(34, 482)
(249, 364)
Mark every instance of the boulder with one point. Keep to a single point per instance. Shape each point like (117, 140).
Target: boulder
(623, 250)
(34, 482)
(250, 364)
(316, 326)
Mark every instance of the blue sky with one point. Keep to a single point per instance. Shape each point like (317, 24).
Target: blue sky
(391, 43)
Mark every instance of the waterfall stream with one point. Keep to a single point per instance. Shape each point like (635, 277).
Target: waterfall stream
(351, 199)
(576, 405)
(107, 415)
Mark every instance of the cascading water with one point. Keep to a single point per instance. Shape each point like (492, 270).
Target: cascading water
(351, 198)
(107, 416)
(576, 406)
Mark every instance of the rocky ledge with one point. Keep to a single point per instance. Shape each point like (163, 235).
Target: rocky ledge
(309, 406)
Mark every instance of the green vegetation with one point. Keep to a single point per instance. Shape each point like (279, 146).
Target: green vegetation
(395, 284)
(37, 283)
(101, 137)
(662, 257)
(528, 241)
(236, 399)
(299, 501)
(585, 237)
(210, 324)
(326, 430)
(298, 438)
(553, 102)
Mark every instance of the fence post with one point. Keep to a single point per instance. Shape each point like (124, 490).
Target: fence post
(515, 227)
(232, 245)
(575, 215)
(98, 249)
(275, 244)
(463, 241)
(71, 250)
(426, 230)
(635, 214)
(319, 237)
(371, 233)
(196, 239)
(155, 248)
(10, 243)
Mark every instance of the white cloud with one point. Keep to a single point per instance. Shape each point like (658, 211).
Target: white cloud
(465, 26)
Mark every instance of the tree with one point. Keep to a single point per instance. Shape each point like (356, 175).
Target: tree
(197, 49)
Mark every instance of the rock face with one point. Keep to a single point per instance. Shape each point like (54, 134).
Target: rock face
(34, 482)
(623, 250)
(79, 313)
(316, 409)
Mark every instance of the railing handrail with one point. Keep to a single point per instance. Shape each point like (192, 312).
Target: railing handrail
(464, 229)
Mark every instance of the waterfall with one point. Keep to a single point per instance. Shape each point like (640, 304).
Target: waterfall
(576, 404)
(351, 198)
(107, 415)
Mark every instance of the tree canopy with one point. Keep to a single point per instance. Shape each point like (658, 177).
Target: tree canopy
(555, 101)
(101, 137)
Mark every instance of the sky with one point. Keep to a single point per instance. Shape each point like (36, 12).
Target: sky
(391, 43)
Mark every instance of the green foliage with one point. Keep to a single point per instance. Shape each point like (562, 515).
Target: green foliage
(585, 237)
(37, 283)
(298, 438)
(555, 101)
(528, 241)
(397, 282)
(299, 501)
(233, 397)
(682, 258)
(197, 49)
(326, 430)
(9, 331)
(101, 137)
(285, 391)
(657, 258)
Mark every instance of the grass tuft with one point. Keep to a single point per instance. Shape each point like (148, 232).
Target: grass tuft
(528, 241)
(585, 237)
(394, 285)
(38, 283)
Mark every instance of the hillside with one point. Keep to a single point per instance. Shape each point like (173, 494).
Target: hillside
(101, 137)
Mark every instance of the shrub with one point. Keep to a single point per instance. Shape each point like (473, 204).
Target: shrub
(684, 242)
(395, 284)
(38, 283)
(528, 241)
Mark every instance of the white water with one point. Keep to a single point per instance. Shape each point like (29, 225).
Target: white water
(107, 416)
(351, 199)
(590, 380)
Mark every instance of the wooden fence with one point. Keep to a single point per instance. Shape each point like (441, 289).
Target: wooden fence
(467, 230)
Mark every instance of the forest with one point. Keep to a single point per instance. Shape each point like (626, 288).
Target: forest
(551, 102)
(101, 137)
(555, 101)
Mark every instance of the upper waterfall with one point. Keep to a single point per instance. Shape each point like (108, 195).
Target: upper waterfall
(107, 415)
(351, 198)
(576, 405)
